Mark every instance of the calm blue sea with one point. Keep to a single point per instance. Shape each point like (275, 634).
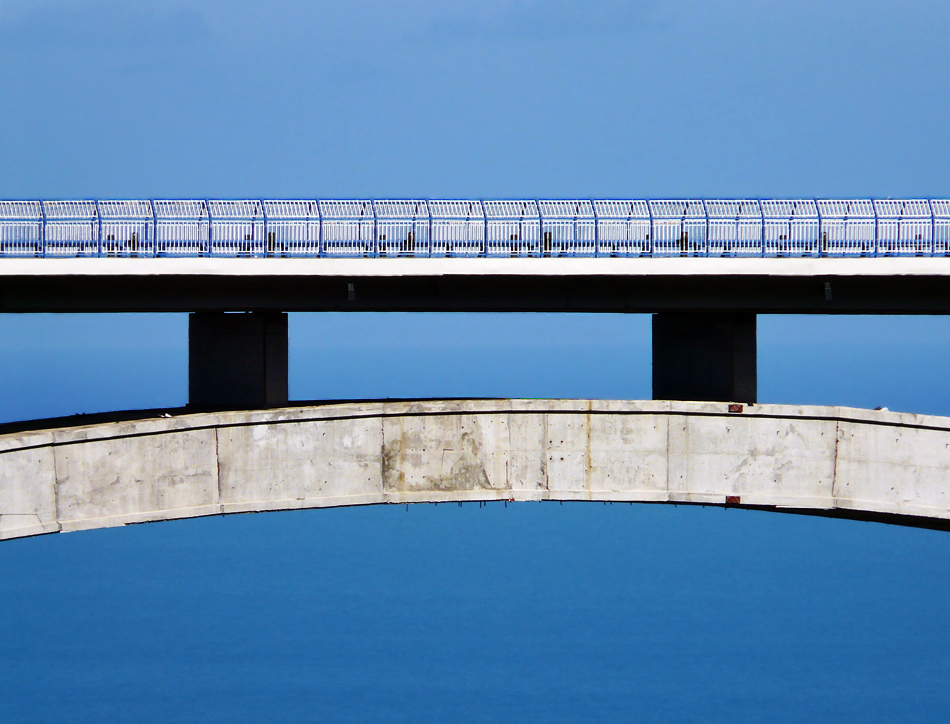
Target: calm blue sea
(525, 612)
(531, 611)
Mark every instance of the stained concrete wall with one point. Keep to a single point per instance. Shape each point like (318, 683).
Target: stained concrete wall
(854, 463)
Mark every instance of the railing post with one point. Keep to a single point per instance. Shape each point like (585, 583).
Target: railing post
(652, 230)
(265, 239)
(99, 229)
(429, 244)
(150, 241)
(375, 230)
(210, 237)
(485, 224)
(43, 228)
(319, 227)
(706, 244)
(596, 230)
(933, 228)
(877, 230)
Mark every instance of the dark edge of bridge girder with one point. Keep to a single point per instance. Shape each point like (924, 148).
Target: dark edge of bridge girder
(761, 294)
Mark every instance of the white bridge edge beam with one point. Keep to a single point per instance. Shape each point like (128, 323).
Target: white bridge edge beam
(437, 267)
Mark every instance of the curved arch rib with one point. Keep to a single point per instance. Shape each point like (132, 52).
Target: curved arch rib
(841, 462)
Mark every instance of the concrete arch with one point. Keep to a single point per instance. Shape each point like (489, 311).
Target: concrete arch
(873, 465)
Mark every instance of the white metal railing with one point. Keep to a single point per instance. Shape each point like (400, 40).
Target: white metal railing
(940, 209)
(182, 228)
(472, 228)
(126, 228)
(21, 228)
(402, 227)
(512, 228)
(847, 227)
(734, 227)
(237, 228)
(790, 227)
(70, 228)
(292, 228)
(678, 227)
(457, 228)
(904, 227)
(347, 228)
(623, 228)
(568, 228)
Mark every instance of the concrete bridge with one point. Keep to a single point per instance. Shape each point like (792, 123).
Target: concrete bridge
(704, 267)
(837, 462)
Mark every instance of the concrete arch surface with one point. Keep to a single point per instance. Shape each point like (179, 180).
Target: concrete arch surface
(842, 462)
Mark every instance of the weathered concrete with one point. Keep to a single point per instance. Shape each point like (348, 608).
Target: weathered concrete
(825, 460)
(700, 356)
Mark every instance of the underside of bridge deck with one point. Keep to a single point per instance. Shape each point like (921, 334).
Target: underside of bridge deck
(762, 294)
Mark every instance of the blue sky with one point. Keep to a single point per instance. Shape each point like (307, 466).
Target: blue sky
(766, 616)
(493, 98)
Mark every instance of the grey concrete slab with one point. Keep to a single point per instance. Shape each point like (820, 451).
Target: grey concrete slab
(874, 465)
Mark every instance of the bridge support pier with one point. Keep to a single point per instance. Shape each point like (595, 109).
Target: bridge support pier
(237, 360)
(704, 357)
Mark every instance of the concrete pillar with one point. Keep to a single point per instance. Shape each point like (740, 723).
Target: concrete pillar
(237, 360)
(704, 357)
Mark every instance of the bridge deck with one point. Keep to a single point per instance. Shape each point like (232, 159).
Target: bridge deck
(806, 286)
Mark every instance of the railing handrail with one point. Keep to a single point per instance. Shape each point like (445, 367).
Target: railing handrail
(838, 227)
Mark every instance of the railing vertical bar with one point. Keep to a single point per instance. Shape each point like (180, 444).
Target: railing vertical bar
(43, 228)
(652, 231)
(319, 227)
(265, 241)
(429, 244)
(933, 228)
(877, 235)
(99, 225)
(596, 216)
(375, 231)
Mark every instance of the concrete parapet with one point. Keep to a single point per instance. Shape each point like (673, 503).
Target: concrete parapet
(874, 465)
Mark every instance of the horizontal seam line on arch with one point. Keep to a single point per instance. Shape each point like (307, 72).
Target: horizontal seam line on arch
(457, 413)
